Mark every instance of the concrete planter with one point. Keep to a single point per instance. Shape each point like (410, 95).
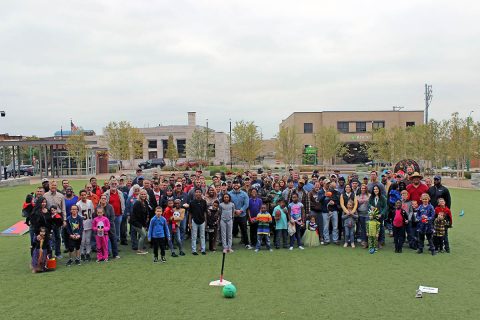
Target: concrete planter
(475, 180)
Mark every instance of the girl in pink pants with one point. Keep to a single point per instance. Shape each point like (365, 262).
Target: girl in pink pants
(101, 226)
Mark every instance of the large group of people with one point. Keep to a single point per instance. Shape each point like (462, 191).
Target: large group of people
(296, 210)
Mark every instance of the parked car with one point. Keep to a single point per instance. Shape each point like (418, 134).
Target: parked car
(26, 170)
(22, 170)
(152, 163)
(187, 164)
(382, 164)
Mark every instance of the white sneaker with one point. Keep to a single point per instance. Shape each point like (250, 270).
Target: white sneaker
(322, 243)
(353, 245)
(300, 247)
(291, 248)
(248, 247)
(345, 245)
(256, 250)
(271, 250)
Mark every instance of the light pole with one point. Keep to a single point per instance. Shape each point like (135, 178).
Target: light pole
(207, 144)
(231, 165)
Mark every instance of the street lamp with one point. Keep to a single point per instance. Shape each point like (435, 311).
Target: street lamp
(231, 165)
(207, 144)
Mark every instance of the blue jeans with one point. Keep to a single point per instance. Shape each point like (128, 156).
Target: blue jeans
(134, 239)
(118, 222)
(297, 236)
(113, 244)
(281, 233)
(363, 227)
(183, 227)
(260, 237)
(349, 235)
(57, 240)
(198, 229)
(175, 237)
(327, 217)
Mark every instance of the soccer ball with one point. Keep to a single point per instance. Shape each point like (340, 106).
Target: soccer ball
(229, 291)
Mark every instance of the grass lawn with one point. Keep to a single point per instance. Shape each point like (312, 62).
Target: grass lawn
(327, 282)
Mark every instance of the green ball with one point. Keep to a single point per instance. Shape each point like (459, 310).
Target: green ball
(229, 291)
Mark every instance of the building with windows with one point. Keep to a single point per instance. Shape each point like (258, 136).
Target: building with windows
(156, 141)
(355, 127)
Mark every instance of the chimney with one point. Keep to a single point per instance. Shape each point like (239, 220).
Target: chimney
(191, 119)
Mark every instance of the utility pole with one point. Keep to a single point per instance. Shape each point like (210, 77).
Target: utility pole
(231, 165)
(207, 144)
(428, 99)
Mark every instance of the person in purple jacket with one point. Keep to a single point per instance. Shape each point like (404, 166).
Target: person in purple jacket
(254, 205)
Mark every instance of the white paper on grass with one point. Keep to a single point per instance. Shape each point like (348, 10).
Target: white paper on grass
(428, 289)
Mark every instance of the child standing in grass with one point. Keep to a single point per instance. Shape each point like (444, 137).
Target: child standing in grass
(310, 237)
(297, 216)
(425, 217)
(280, 216)
(40, 252)
(263, 219)
(440, 224)
(74, 235)
(158, 234)
(349, 218)
(101, 227)
(373, 230)
(448, 217)
(172, 224)
(400, 220)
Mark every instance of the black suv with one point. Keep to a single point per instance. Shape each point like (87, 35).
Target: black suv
(152, 163)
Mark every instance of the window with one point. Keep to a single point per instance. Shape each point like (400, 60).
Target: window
(152, 144)
(308, 128)
(361, 126)
(342, 126)
(410, 124)
(152, 155)
(181, 143)
(211, 150)
(378, 125)
(164, 147)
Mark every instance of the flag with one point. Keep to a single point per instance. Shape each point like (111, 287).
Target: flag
(73, 127)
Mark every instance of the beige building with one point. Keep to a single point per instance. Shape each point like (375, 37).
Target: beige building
(156, 141)
(354, 126)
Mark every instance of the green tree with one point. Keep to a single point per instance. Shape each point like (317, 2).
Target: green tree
(124, 141)
(172, 153)
(196, 147)
(77, 149)
(329, 145)
(288, 145)
(246, 142)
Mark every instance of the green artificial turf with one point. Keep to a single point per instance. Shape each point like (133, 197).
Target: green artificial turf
(327, 282)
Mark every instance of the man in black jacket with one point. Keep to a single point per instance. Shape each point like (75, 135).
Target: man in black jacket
(196, 220)
(439, 191)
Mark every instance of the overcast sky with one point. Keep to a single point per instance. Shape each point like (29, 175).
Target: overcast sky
(151, 62)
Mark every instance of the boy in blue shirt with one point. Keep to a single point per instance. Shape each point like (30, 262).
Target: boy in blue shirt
(158, 234)
(280, 216)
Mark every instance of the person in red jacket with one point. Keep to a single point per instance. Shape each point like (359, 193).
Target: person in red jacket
(442, 207)
(417, 187)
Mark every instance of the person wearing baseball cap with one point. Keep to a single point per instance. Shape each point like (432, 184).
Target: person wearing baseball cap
(438, 190)
(46, 184)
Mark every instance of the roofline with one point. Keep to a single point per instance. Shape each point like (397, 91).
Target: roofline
(358, 111)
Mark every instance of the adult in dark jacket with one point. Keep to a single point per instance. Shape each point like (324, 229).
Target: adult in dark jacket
(438, 190)
(139, 220)
(41, 218)
(330, 200)
(197, 216)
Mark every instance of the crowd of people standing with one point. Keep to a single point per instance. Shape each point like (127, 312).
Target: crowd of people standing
(295, 209)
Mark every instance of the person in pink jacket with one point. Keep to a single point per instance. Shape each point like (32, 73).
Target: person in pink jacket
(101, 226)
